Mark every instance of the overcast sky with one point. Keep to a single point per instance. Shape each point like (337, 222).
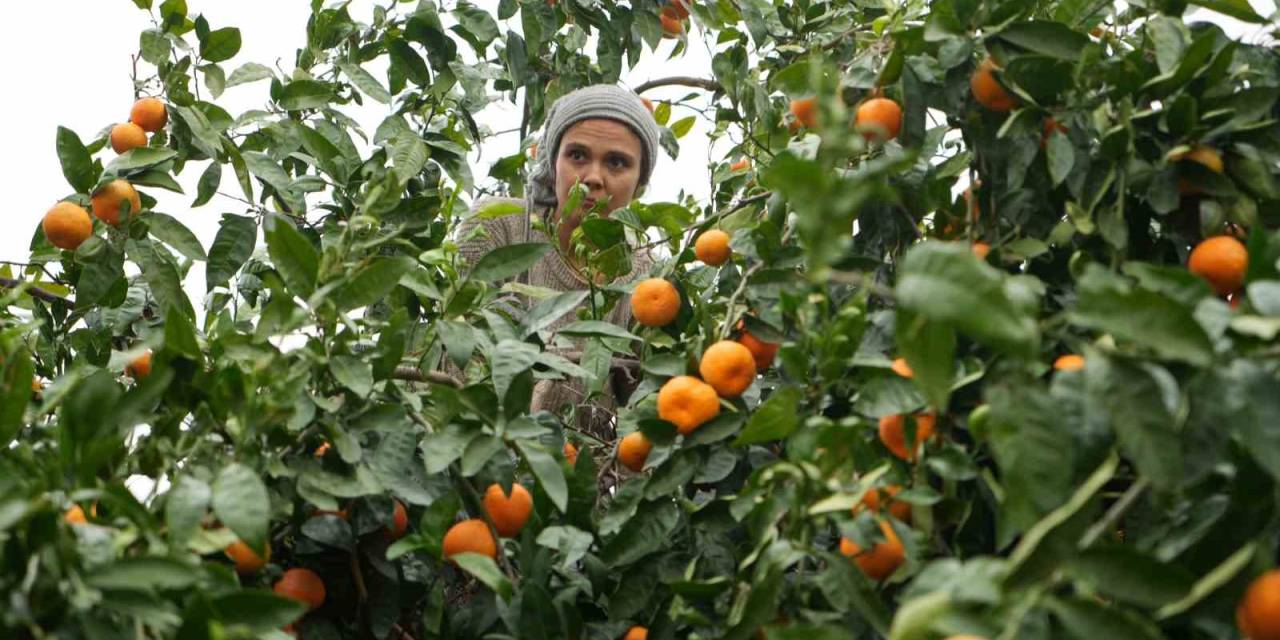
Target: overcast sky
(68, 63)
(81, 80)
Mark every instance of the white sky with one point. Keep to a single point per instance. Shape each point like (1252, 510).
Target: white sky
(80, 79)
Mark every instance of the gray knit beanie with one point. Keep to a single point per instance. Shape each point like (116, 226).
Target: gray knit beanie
(596, 101)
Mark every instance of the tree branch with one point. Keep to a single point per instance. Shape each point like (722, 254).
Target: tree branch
(683, 81)
(35, 292)
(411, 374)
(436, 377)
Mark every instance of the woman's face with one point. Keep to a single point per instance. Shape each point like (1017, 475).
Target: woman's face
(605, 156)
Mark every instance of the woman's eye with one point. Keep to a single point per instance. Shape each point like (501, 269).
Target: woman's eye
(618, 163)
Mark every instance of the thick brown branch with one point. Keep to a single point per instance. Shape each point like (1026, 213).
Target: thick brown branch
(436, 377)
(35, 292)
(683, 81)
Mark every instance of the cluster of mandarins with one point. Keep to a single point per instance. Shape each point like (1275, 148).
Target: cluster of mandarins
(300, 583)
(878, 118)
(673, 17)
(1221, 260)
(726, 369)
(67, 224)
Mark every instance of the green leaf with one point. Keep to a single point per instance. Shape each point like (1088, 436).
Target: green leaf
(249, 72)
(1028, 438)
(267, 170)
(184, 508)
(548, 311)
(1061, 156)
(662, 113)
(141, 158)
(1170, 37)
(476, 23)
(1046, 37)
(215, 79)
(572, 543)
(596, 328)
(240, 501)
(331, 531)
(143, 574)
(508, 261)
(210, 180)
(484, 569)
(365, 82)
(929, 349)
(231, 248)
(508, 360)
(547, 470)
(1087, 619)
(775, 419)
(672, 474)
(1255, 398)
(1131, 575)
(372, 283)
(410, 155)
(645, 532)
(848, 589)
(352, 373)
(294, 257)
(154, 46)
(161, 276)
(681, 127)
(1136, 402)
(404, 58)
(945, 283)
(180, 335)
(77, 164)
(1027, 562)
(103, 270)
(16, 372)
(258, 609)
(499, 209)
(221, 45)
(305, 94)
(168, 230)
(1108, 303)
(156, 178)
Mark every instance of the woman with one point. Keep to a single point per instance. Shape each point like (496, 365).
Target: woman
(604, 137)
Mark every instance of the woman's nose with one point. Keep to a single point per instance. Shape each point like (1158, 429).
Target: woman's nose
(594, 176)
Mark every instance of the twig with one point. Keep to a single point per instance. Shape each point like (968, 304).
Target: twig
(617, 363)
(401, 634)
(35, 292)
(860, 280)
(362, 591)
(743, 204)
(742, 287)
(1117, 510)
(683, 81)
(733, 300)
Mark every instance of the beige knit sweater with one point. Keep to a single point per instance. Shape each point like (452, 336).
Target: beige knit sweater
(594, 415)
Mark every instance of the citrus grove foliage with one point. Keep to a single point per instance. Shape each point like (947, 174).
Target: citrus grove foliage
(881, 409)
